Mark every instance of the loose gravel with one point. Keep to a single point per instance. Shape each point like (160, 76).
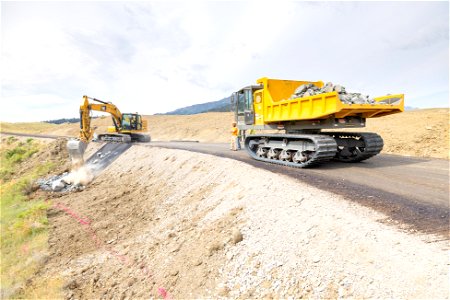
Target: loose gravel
(210, 227)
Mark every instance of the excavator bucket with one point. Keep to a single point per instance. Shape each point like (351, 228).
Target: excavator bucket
(76, 150)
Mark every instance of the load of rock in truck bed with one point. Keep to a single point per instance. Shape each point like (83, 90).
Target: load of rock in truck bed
(309, 89)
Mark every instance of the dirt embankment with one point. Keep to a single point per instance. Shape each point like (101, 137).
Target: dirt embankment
(55, 154)
(176, 224)
(423, 132)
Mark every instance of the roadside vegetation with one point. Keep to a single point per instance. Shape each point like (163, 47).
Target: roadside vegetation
(24, 224)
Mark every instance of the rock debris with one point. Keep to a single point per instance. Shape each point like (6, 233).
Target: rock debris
(309, 89)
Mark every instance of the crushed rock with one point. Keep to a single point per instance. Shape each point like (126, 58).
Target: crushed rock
(309, 89)
(81, 176)
(56, 183)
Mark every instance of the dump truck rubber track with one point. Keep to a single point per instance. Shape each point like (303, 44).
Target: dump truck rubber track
(356, 146)
(282, 149)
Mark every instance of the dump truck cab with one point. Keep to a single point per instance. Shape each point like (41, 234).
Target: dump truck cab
(243, 105)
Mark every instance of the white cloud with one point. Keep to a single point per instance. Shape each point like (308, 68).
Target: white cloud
(158, 56)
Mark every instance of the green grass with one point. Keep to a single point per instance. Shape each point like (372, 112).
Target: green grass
(15, 153)
(24, 224)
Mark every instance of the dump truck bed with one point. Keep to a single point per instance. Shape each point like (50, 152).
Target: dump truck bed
(278, 107)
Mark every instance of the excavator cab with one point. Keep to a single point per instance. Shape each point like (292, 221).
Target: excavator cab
(131, 122)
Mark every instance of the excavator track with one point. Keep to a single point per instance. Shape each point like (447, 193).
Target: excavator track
(116, 137)
(356, 146)
(293, 150)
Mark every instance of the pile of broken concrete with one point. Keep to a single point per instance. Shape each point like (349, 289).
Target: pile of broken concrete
(309, 89)
(58, 184)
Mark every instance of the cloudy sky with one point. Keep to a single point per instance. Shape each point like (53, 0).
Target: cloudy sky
(157, 56)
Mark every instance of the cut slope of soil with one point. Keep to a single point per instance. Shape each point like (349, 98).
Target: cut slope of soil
(422, 132)
(175, 224)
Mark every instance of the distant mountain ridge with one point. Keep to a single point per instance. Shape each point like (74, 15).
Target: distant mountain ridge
(214, 106)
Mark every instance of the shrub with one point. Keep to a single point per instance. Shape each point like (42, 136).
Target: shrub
(11, 140)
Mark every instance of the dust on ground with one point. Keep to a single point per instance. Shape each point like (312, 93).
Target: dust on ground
(175, 224)
(422, 132)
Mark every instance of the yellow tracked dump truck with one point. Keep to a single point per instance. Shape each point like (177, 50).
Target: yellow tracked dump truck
(302, 110)
(127, 127)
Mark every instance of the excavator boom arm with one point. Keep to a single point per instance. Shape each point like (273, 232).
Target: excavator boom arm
(76, 148)
(86, 132)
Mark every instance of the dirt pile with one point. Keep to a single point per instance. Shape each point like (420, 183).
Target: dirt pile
(174, 224)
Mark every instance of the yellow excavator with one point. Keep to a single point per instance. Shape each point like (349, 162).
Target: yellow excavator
(303, 110)
(128, 127)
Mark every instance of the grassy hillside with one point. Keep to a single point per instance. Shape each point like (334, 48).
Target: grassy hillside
(24, 224)
(31, 127)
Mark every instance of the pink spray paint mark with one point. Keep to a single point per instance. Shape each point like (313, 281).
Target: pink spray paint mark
(122, 258)
(163, 293)
(80, 220)
(25, 248)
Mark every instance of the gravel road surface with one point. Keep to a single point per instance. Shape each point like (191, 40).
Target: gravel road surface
(413, 191)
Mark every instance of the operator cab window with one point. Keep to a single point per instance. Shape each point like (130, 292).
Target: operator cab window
(248, 100)
(126, 122)
(241, 102)
(133, 122)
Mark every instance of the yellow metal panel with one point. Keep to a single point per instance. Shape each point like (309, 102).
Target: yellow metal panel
(383, 106)
(144, 124)
(277, 107)
(314, 107)
(279, 90)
